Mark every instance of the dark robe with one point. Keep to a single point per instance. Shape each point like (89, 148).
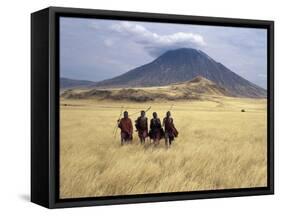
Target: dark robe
(170, 129)
(156, 131)
(142, 127)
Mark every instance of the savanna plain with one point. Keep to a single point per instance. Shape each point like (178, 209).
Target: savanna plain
(218, 147)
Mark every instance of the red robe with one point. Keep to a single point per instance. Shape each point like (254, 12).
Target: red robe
(126, 126)
(170, 128)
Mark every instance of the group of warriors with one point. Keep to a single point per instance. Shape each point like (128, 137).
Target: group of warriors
(155, 132)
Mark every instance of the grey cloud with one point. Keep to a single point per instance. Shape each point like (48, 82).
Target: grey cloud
(154, 43)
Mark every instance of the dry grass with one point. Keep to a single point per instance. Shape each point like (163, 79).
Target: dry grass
(218, 147)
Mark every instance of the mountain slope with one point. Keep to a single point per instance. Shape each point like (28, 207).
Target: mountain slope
(72, 83)
(200, 85)
(182, 65)
(195, 89)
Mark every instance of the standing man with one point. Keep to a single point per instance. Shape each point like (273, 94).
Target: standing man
(142, 127)
(125, 124)
(156, 131)
(170, 130)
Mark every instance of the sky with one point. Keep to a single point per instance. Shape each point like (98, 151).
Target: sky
(98, 49)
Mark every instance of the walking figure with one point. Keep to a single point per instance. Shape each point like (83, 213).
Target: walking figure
(125, 124)
(142, 127)
(170, 129)
(156, 131)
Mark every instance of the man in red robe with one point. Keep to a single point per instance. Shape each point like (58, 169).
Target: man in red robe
(126, 126)
(170, 129)
(142, 127)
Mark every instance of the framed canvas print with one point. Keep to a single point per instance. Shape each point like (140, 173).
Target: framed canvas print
(138, 107)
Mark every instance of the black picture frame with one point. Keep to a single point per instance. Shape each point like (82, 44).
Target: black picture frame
(45, 106)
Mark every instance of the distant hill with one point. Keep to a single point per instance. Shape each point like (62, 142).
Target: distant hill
(66, 83)
(198, 88)
(182, 65)
(201, 86)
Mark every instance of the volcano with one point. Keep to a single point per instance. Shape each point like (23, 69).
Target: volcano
(182, 65)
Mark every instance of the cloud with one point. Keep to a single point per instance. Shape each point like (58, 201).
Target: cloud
(108, 42)
(154, 43)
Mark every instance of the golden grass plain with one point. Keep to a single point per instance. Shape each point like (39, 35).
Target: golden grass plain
(219, 147)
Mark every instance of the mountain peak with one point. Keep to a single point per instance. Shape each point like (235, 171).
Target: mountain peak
(182, 51)
(182, 65)
(183, 56)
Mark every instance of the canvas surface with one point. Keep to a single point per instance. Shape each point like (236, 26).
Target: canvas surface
(211, 79)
